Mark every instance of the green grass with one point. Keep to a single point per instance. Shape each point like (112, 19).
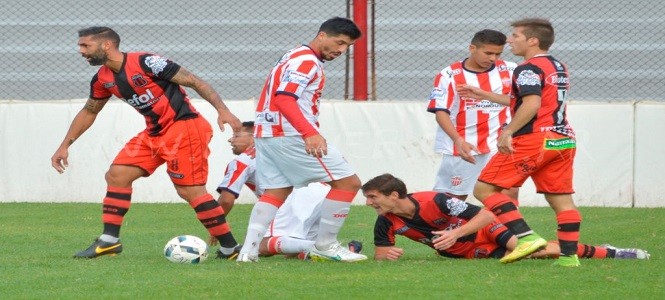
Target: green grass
(38, 241)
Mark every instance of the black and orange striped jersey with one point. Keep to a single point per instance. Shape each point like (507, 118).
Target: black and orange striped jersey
(545, 76)
(144, 83)
(434, 212)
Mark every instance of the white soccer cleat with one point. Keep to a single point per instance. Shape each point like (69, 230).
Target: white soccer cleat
(628, 253)
(336, 253)
(247, 258)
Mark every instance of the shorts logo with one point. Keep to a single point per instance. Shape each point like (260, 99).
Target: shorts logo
(560, 144)
(138, 80)
(173, 164)
(176, 175)
(526, 166)
(456, 180)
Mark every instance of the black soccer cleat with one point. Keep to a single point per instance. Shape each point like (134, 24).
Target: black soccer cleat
(99, 248)
(232, 256)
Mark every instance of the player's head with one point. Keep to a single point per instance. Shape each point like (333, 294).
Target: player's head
(243, 139)
(335, 36)
(530, 33)
(95, 42)
(382, 192)
(485, 48)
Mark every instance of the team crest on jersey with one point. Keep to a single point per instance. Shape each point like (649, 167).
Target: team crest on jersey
(456, 206)
(138, 80)
(528, 77)
(156, 63)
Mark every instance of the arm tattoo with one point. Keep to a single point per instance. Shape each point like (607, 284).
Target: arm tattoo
(95, 106)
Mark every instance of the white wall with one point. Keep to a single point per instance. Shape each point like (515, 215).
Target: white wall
(618, 161)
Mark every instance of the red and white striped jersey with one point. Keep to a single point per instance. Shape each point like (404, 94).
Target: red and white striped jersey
(299, 73)
(478, 121)
(241, 171)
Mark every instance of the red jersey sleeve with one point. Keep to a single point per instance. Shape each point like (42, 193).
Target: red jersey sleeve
(97, 89)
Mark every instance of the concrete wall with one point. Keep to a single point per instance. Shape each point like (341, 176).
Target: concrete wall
(619, 161)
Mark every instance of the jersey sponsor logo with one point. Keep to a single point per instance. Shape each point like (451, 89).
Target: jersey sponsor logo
(558, 79)
(143, 100)
(456, 206)
(139, 81)
(108, 85)
(528, 77)
(485, 105)
(296, 77)
(156, 63)
(560, 144)
(267, 118)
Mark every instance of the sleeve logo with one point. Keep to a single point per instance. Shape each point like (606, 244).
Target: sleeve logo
(156, 63)
(528, 77)
(296, 77)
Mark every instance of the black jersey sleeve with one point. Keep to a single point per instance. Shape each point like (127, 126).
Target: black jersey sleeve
(456, 207)
(383, 234)
(528, 80)
(158, 66)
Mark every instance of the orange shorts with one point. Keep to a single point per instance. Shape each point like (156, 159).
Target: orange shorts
(488, 241)
(184, 147)
(546, 157)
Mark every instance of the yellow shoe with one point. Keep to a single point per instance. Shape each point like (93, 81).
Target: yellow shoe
(525, 246)
(567, 261)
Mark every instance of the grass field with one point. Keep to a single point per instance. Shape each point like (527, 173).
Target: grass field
(38, 241)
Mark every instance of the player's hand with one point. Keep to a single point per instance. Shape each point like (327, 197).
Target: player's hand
(394, 253)
(468, 91)
(226, 117)
(59, 160)
(465, 149)
(212, 241)
(316, 146)
(444, 239)
(505, 143)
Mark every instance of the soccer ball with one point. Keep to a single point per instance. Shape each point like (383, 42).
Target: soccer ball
(186, 249)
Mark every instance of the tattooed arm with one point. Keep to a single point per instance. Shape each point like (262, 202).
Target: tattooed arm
(207, 92)
(80, 124)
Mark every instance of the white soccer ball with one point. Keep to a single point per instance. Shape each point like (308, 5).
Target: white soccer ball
(186, 249)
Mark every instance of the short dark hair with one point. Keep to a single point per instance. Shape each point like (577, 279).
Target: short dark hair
(102, 33)
(488, 36)
(247, 126)
(539, 28)
(338, 25)
(385, 184)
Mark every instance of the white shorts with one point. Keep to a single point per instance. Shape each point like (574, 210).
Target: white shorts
(457, 176)
(283, 162)
(300, 214)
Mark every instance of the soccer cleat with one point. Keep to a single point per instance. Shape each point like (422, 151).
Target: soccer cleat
(335, 253)
(232, 256)
(99, 248)
(525, 246)
(246, 257)
(355, 246)
(567, 261)
(628, 253)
